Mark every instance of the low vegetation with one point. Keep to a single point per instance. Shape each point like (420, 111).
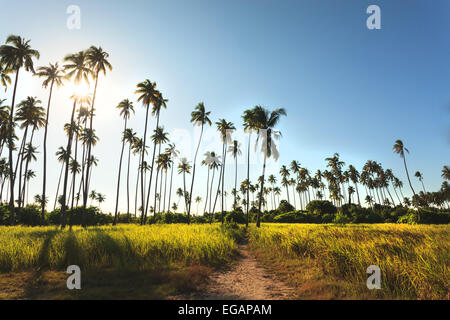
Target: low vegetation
(329, 261)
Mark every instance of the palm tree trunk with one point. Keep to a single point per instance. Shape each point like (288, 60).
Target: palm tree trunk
(128, 184)
(207, 190)
(258, 217)
(193, 174)
(248, 178)
(210, 191)
(223, 178)
(357, 193)
(137, 188)
(165, 189)
(86, 189)
(10, 144)
(57, 188)
(151, 174)
(118, 175)
(75, 167)
(44, 179)
(170, 187)
(407, 174)
(66, 173)
(143, 218)
(235, 181)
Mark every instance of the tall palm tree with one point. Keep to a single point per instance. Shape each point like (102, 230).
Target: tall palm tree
(61, 156)
(235, 151)
(15, 54)
(52, 75)
(354, 177)
(419, 176)
(199, 117)
(265, 122)
(129, 137)
(97, 61)
(159, 103)
(147, 95)
(284, 172)
(173, 154)
(249, 126)
(183, 168)
(158, 138)
(400, 149)
(225, 128)
(198, 199)
(29, 114)
(126, 108)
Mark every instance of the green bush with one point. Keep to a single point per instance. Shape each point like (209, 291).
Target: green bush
(321, 207)
(285, 206)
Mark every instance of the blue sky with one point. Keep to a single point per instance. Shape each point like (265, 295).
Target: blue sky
(346, 89)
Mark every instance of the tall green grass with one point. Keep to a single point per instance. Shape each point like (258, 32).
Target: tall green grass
(414, 260)
(123, 246)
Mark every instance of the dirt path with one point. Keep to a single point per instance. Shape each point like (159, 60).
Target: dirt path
(246, 280)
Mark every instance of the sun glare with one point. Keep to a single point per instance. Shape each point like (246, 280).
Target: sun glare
(81, 89)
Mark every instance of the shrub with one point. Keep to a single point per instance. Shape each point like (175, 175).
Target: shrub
(321, 207)
(236, 216)
(285, 206)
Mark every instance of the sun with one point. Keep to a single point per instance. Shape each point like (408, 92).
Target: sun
(81, 89)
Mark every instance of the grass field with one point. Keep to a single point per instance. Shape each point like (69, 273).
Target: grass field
(328, 261)
(169, 258)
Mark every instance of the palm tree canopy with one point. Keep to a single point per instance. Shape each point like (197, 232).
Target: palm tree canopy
(30, 113)
(77, 67)
(399, 148)
(17, 53)
(200, 116)
(126, 107)
(147, 92)
(97, 60)
(51, 74)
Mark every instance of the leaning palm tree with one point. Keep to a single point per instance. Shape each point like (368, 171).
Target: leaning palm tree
(52, 75)
(126, 108)
(199, 117)
(400, 149)
(235, 151)
(266, 121)
(14, 55)
(147, 95)
(419, 176)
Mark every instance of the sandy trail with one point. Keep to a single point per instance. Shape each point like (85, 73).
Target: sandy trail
(246, 280)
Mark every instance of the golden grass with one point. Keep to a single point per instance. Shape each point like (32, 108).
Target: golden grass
(122, 247)
(414, 260)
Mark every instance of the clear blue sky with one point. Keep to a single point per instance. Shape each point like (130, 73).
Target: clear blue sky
(346, 89)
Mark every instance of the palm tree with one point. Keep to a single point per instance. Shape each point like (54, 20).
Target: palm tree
(100, 198)
(235, 151)
(249, 126)
(148, 94)
(198, 199)
(93, 196)
(30, 114)
(225, 128)
(265, 122)
(400, 149)
(284, 172)
(97, 62)
(159, 103)
(446, 173)
(183, 168)
(129, 137)
(158, 138)
(199, 117)
(419, 176)
(52, 75)
(173, 154)
(354, 177)
(14, 55)
(125, 107)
